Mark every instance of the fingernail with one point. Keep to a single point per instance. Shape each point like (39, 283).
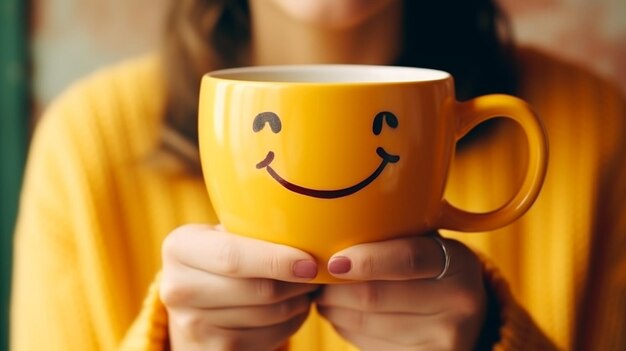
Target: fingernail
(339, 265)
(305, 269)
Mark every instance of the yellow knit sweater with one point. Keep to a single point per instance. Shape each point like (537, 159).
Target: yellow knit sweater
(94, 211)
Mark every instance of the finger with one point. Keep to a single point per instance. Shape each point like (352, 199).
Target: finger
(264, 336)
(232, 255)
(423, 297)
(364, 342)
(415, 257)
(259, 316)
(182, 286)
(195, 331)
(404, 331)
(400, 329)
(369, 343)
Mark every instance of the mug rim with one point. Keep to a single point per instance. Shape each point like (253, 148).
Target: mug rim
(329, 74)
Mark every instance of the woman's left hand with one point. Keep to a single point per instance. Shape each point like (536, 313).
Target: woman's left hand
(397, 304)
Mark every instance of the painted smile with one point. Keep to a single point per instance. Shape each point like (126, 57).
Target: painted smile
(329, 194)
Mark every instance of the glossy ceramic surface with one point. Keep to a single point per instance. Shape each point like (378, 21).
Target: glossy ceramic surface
(324, 157)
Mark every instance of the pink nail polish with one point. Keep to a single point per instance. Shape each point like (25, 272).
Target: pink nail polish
(305, 269)
(339, 265)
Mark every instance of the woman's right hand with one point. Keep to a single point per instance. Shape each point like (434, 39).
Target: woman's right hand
(228, 292)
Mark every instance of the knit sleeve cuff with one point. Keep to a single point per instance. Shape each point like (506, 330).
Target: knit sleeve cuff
(508, 326)
(149, 331)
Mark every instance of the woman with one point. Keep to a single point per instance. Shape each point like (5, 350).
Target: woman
(112, 187)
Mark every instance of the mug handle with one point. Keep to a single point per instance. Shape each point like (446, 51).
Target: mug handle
(480, 109)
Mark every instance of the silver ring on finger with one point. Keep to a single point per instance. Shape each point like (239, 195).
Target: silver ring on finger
(446, 257)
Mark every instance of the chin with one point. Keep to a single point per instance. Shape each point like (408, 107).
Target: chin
(336, 14)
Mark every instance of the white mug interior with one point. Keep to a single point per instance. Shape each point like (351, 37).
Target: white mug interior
(326, 73)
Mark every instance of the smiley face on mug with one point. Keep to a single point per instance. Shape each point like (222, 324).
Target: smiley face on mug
(273, 121)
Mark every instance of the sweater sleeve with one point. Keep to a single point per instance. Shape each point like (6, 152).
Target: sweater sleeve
(50, 307)
(149, 331)
(74, 280)
(508, 326)
(601, 319)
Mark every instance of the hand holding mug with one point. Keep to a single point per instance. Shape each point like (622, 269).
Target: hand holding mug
(395, 302)
(228, 292)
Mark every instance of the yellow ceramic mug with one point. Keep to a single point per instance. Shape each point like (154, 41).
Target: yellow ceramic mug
(324, 157)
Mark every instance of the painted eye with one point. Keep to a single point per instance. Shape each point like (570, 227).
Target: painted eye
(267, 117)
(384, 117)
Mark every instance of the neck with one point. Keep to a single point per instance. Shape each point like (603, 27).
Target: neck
(279, 39)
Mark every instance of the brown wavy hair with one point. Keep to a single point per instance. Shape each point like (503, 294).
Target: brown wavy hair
(468, 38)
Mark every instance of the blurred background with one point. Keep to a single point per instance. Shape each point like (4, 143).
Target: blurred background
(45, 45)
